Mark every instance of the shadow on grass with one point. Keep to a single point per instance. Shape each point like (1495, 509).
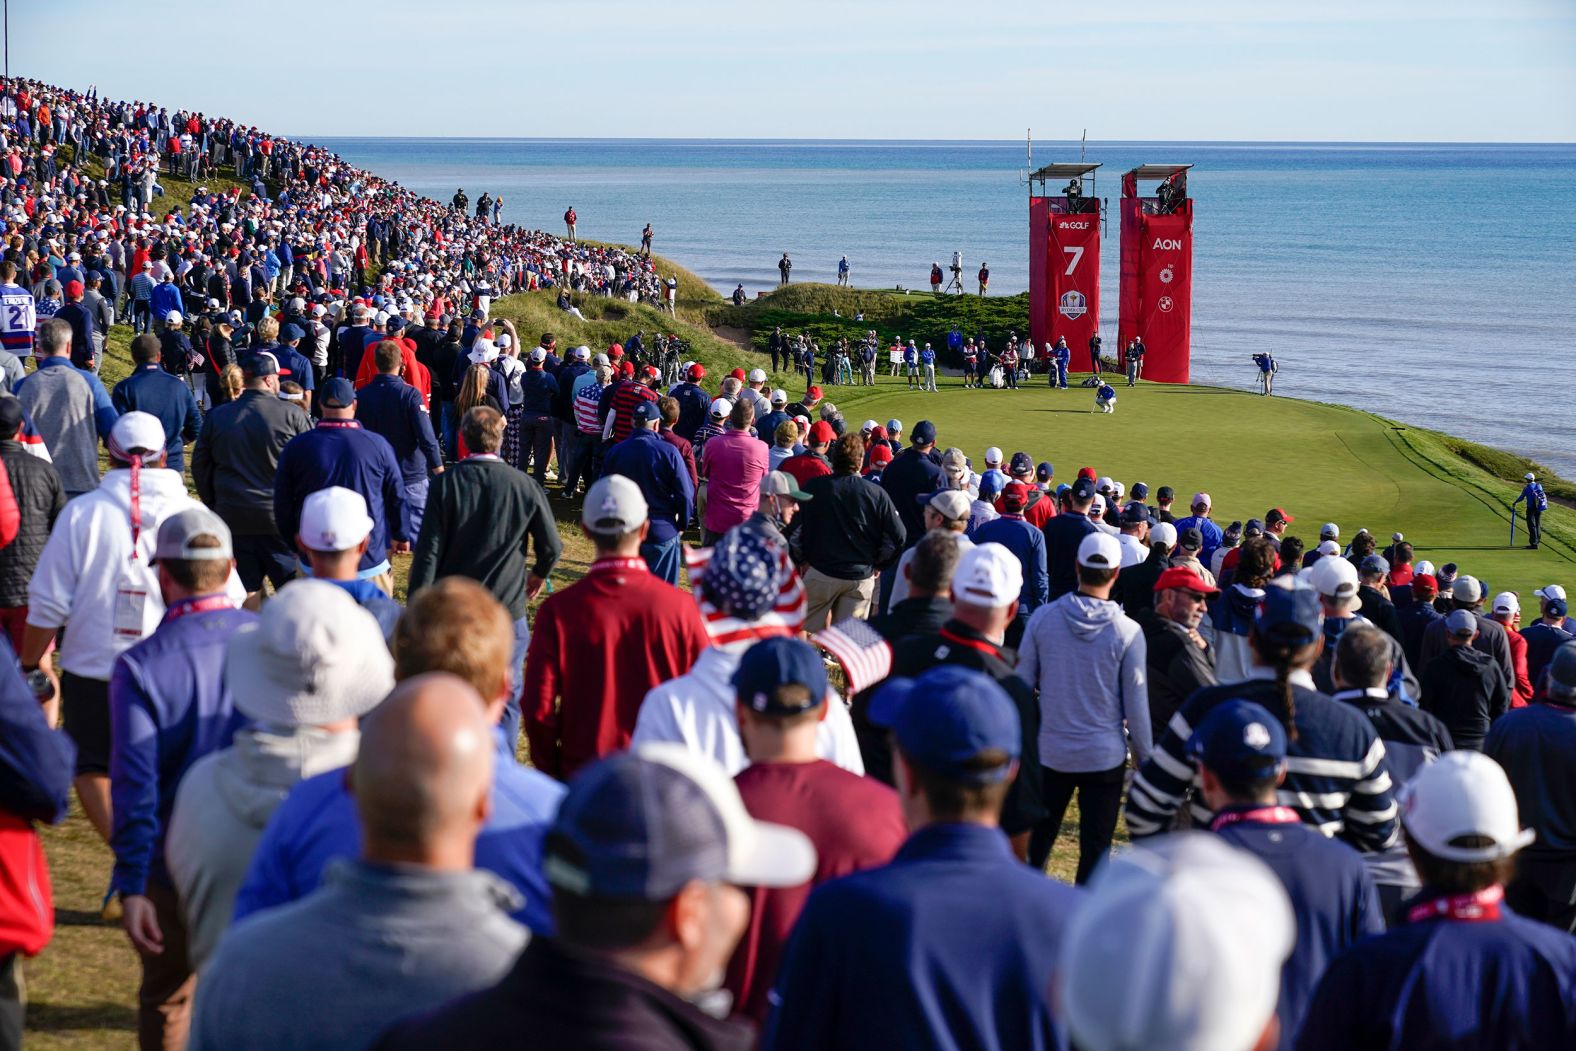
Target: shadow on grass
(79, 918)
(45, 1017)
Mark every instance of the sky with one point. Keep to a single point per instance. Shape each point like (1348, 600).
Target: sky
(1210, 70)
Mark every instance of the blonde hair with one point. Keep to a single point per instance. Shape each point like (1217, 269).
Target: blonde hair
(455, 625)
(473, 389)
(234, 380)
(268, 329)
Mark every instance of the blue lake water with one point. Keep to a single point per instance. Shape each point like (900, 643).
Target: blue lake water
(1430, 283)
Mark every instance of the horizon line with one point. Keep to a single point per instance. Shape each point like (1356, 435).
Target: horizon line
(773, 139)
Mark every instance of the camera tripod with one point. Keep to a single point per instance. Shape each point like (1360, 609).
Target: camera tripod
(956, 282)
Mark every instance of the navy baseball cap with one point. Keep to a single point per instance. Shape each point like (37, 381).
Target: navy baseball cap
(1134, 514)
(338, 393)
(1044, 472)
(1375, 564)
(1239, 739)
(1020, 465)
(641, 824)
(1140, 491)
(948, 716)
(779, 661)
(646, 411)
(1290, 614)
(291, 333)
(1083, 488)
(262, 364)
(924, 433)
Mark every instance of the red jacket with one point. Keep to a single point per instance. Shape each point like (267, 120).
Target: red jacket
(597, 647)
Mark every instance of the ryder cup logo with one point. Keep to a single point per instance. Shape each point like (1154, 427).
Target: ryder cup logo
(1165, 275)
(1073, 305)
(1165, 304)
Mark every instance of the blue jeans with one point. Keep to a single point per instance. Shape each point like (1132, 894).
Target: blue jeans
(663, 559)
(449, 423)
(582, 453)
(416, 501)
(511, 709)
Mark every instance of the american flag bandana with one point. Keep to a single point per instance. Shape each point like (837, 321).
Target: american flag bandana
(865, 655)
(746, 572)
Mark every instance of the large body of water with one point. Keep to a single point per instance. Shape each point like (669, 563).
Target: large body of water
(1430, 283)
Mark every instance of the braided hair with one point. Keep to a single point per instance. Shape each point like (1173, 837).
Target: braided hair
(1285, 655)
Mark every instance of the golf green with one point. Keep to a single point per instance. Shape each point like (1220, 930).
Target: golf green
(1322, 463)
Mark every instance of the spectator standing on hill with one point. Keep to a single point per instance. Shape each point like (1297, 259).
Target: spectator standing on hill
(658, 469)
(732, 464)
(1199, 519)
(1064, 534)
(234, 464)
(1179, 659)
(1505, 611)
(603, 642)
(784, 267)
(1544, 636)
(483, 519)
(152, 390)
(392, 409)
(1466, 593)
(1537, 502)
(69, 406)
(848, 532)
(35, 485)
(1461, 686)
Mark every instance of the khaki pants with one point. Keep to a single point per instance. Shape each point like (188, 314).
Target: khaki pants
(832, 595)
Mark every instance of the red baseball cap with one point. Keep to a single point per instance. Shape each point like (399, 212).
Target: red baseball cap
(814, 393)
(879, 433)
(1087, 472)
(1278, 514)
(1183, 577)
(1015, 495)
(821, 431)
(697, 371)
(880, 454)
(652, 372)
(628, 368)
(1425, 582)
(615, 351)
(738, 374)
(74, 288)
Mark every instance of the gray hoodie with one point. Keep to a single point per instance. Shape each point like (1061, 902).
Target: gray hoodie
(1088, 660)
(221, 807)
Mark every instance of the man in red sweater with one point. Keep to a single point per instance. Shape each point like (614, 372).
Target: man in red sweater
(602, 643)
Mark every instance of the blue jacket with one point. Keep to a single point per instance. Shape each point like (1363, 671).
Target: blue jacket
(658, 468)
(1506, 984)
(150, 389)
(169, 706)
(341, 452)
(1211, 532)
(694, 405)
(392, 408)
(166, 297)
(927, 356)
(1332, 897)
(1027, 544)
(538, 388)
(36, 763)
(1534, 496)
(371, 598)
(317, 823)
(953, 945)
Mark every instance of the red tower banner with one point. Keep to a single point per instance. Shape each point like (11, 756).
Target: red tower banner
(1072, 266)
(1156, 291)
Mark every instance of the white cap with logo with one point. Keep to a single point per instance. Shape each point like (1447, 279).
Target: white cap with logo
(1335, 579)
(1463, 793)
(987, 575)
(1551, 593)
(614, 504)
(1100, 551)
(1507, 602)
(334, 519)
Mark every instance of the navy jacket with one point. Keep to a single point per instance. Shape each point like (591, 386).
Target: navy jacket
(341, 452)
(1332, 897)
(658, 468)
(392, 408)
(952, 945)
(152, 390)
(1542, 640)
(694, 405)
(910, 475)
(1506, 985)
(36, 763)
(169, 706)
(1415, 620)
(1028, 544)
(1063, 534)
(538, 389)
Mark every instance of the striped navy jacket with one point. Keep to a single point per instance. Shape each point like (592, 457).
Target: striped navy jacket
(1336, 776)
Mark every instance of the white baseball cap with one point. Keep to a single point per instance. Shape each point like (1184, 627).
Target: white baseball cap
(1163, 533)
(757, 375)
(137, 431)
(1330, 530)
(505, 341)
(1105, 484)
(1097, 506)
(1179, 944)
(1552, 592)
(173, 318)
(951, 503)
(334, 519)
(1463, 793)
(1100, 551)
(1466, 589)
(1423, 568)
(993, 456)
(721, 407)
(988, 575)
(1327, 548)
(868, 426)
(1507, 602)
(1335, 579)
(1201, 498)
(582, 353)
(614, 504)
(779, 397)
(538, 354)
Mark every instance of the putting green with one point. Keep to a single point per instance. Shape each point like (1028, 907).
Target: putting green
(1322, 463)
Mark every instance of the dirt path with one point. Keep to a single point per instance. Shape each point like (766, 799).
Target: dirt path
(739, 337)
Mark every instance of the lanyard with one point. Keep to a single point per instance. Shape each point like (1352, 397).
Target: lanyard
(484, 456)
(1482, 907)
(1269, 815)
(986, 648)
(339, 424)
(605, 565)
(205, 604)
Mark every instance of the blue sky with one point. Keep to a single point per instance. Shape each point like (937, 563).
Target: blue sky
(1371, 70)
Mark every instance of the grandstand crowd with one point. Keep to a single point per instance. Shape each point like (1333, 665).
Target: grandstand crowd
(811, 801)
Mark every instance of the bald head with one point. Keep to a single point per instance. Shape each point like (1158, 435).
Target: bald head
(422, 776)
